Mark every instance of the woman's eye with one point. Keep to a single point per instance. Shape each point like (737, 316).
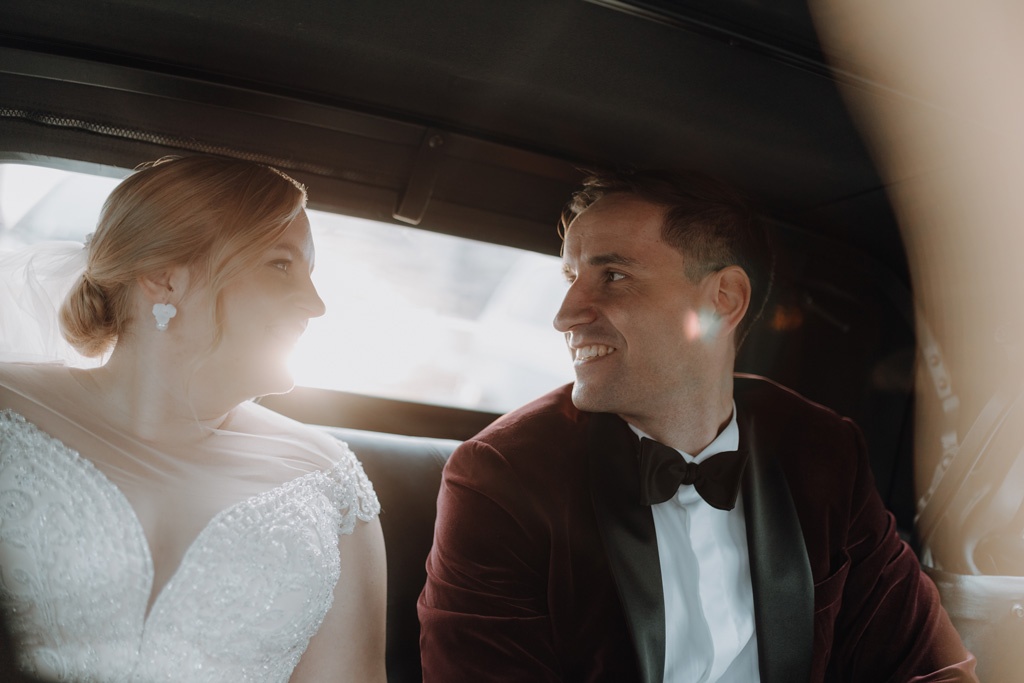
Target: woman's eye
(282, 265)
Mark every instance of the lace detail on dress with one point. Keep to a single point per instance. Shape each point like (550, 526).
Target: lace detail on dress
(76, 573)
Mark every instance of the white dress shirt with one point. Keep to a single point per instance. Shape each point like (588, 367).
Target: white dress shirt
(705, 574)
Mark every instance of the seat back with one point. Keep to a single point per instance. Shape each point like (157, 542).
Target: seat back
(988, 612)
(406, 474)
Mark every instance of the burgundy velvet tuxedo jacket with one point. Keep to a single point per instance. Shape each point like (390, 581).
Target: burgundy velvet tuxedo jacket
(545, 565)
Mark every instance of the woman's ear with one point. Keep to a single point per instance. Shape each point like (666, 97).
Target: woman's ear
(164, 286)
(731, 292)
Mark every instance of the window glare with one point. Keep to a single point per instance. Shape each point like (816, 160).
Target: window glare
(411, 314)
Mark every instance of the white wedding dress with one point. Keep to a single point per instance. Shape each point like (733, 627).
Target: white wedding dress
(76, 573)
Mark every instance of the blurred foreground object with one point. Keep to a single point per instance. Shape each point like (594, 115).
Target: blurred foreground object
(937, 91)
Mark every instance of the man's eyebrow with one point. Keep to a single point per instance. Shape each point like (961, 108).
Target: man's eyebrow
(611, 259)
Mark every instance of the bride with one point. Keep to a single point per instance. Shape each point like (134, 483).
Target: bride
(154, 522)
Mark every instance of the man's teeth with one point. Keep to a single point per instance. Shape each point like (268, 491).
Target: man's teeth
(594, 351)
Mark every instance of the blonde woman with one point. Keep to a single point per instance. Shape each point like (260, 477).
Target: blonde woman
(156, 523)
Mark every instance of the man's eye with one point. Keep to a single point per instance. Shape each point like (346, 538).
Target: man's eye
(614, 276)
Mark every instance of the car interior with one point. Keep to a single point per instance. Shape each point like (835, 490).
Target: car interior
(476, 121)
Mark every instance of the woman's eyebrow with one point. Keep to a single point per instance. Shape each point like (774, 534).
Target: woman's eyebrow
(295, 251)
(287, 246)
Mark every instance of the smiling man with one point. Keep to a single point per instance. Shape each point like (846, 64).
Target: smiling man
(661, 519)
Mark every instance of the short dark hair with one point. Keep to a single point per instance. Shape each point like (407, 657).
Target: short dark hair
(709, 222)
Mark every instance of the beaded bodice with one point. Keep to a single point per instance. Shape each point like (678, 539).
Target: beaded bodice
(76, 571)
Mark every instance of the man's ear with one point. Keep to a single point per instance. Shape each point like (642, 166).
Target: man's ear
(731, 292)
(164, 286)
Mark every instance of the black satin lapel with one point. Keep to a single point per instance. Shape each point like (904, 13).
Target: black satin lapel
(627, 529)
(779, 568)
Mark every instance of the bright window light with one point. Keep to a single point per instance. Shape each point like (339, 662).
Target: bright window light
(411, 314)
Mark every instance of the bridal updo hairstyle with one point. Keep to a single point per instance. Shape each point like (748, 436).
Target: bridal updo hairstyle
(216, 216)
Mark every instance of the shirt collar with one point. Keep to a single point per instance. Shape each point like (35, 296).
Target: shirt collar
(727, 440)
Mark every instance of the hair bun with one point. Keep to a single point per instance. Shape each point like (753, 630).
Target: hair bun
(86, 319)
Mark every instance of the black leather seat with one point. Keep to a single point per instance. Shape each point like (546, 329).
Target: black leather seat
(406, 473)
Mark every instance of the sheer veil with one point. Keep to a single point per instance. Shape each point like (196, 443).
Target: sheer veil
(33, 282)
(46, 385)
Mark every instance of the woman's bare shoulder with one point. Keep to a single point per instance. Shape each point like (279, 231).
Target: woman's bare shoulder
(315, 443)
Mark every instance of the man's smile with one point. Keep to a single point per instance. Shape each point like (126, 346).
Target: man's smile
(585, 353)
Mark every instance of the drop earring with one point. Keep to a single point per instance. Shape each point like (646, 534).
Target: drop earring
(163, 314)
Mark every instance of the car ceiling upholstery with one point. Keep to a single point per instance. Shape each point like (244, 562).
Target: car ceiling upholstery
(522, 94)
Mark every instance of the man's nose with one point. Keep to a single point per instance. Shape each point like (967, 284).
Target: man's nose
(577, 307)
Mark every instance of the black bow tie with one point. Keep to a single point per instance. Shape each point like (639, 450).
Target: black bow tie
(663, 470)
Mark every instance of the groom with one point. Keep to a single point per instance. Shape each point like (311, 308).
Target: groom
(662, 519)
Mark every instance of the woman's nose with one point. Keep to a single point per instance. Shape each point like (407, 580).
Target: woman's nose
(312, 302)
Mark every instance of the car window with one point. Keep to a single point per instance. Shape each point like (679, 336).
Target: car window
(411, 314)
